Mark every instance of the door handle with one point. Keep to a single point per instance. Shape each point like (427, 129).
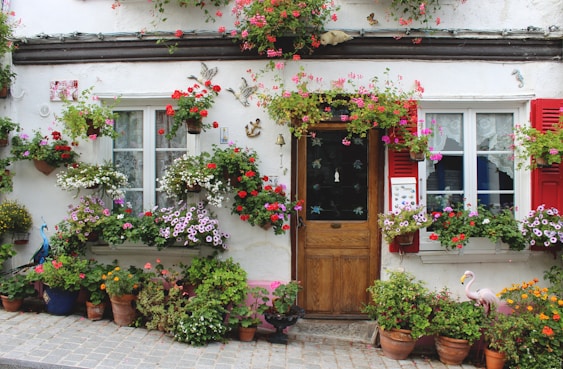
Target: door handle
(300, 222)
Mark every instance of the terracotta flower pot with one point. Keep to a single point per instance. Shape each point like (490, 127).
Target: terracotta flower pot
(406, 239)
(194, 126)
(494, 359)
(246, 334)
(95, 311)
(11, 305)
(396, 344)
(43, 167)
(417, 156)
(452, 351)
(124, 312)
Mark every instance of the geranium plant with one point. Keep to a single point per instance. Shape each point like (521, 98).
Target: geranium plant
(87, 118)
(309, 101)
(531, 145)
(537, 316)
(192, 104)
(65, 272)
(407, 11)
(413, 140)
(118, 225)
(104, 178)
(400, 302)
(454, 227)
(543, 227)
(193, 225)
(16, 286)
(284, 296)
(53, 148)
(402, 220)
(261, 24)
(248, 313)
(7, 126)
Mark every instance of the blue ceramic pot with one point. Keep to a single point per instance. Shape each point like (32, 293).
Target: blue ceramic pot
(59, 301)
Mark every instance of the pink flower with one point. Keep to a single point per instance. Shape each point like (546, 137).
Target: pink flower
(127, 226)
(82, 275)
(553, 151)
(346, 141)
(148, 266)
(222, 29)
(275, 285)
(386, 139)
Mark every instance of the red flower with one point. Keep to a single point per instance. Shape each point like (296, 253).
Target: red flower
(239, 208)
(451, 215)
(217, 88)
(547, 331)
(207, 83)
(242, 194)
(274, 218)
(179, 33)
(433, 236)
(161, 131)
(265, 178)
(268, 188)
(252, 159)
(211, 165)
(148, 214)
(56, 135)
(215, 125)
(244, 217)
(128, 211)
(254, 193)
(285, 227)
(250, 173)
(169, 110)
(203, 113)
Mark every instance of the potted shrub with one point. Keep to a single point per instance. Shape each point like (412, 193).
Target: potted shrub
(417, 143)
(7, 77)
(283, 311)
(457, 325)
(6, 176)
(535, 148)
(13, 290)
(246, 316)
(47, 152)
(16, 220)
(85, 218)
(102, 178)
(192, 107)
(402, 306)
(401, 224)
(86, 118)
(6, 127)
(502, 332)
(62, 277)
(6, 251)
(261, 25)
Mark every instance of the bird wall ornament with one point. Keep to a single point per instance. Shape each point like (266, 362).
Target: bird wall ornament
(206, 74)
(334, 38)
(252, 130)
(484, 296)
(244, 92)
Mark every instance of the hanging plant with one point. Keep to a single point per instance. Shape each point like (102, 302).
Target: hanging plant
(261, 25)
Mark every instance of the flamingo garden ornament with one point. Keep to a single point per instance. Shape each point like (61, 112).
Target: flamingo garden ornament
(484, 297)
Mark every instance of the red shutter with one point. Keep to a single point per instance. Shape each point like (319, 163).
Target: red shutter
(546, 182)
(400, 165)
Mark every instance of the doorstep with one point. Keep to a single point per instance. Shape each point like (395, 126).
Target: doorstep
(335, 332)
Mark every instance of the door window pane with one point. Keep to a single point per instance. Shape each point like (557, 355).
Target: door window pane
(336, 177)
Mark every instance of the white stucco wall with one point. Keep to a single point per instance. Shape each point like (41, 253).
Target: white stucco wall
(263, 255)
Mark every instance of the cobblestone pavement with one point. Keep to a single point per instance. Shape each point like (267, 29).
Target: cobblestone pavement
(32, 340)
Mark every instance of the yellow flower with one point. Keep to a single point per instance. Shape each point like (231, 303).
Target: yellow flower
(543, 316)
(517, 307)
(524, 296)
(116, 279)
(109, 273)
(560, 302)
(104, 277)
(553, 298)
(530, 308)
(510, 301)
(103, 286)
(117, 269)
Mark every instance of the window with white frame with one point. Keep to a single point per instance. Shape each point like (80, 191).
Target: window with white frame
(142, 152)
(477, 165)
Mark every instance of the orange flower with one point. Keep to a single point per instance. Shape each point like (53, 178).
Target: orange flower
(547, 331)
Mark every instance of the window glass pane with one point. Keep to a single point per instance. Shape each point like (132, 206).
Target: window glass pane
(494, 130)
(130, 126)
(450, 135)
(131, 164)
(492, 177)
(336, 177)
(437, 202)
(163, 123)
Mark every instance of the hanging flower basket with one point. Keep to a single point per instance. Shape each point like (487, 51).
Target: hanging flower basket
(43, 166)
(194, 126)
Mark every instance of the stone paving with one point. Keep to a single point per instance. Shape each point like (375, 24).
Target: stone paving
(40, 340)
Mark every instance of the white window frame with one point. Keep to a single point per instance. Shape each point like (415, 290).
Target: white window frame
(477, 251)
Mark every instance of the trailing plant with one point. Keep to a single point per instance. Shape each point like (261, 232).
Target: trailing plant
(401, 302)
(543, 226)
(403, 220)
(260, 25)
(407, 11)
(14, 217)
(6, 33)
(7, 76)
(86, 118)
(6, 176)
(6, 251)
(103, 178)
(531, 144)
(53, 148)
(7, 126)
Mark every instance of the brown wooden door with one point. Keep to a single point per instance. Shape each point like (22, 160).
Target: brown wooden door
(338, 247)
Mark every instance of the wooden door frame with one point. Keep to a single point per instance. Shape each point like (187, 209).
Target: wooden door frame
(381, 172)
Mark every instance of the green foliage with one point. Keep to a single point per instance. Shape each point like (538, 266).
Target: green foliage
(6, 176)
(555, 277)
(7, 125)
(261, 24)
(247, 314)
(86, 217)
(6, 251)
(401, 302)
(93, 280)
(53, 149)
(455, 319)
(405, 11)
(7, 76)
(16, 286)
(503, 332)
(204, 324)
(66, 241)
(285, 296)
(6, 33)
(65, 272)
(14, 217)
(83, 113)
